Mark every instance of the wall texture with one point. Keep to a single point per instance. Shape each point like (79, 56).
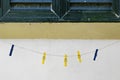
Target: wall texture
(60, 30)
(26, 65)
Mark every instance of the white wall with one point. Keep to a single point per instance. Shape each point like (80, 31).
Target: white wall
(26, 65)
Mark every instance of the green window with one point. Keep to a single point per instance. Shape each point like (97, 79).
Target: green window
(59, 10)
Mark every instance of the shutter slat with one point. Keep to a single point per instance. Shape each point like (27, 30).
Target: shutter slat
(31, 4)
(93, 1)
(31, 1)
(93, 5)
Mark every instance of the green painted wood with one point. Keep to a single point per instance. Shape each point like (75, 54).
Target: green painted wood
(0, 8)
(60, 7)
(91, 11)
(90, 16)
(30, 16)
(0, 12)
(116, 7)
(60, 11)
(5, 6)
(28, 12)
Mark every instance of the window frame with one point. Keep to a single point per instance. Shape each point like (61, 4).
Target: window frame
(83, 16)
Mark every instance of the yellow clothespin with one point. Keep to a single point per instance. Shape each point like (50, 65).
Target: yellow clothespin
(65, 60)
(79, 56)
(44, 58)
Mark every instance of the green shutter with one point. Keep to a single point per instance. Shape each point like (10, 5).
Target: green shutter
(28, 11)
(116, 7)
(0, 8)
(5, 6)
(60, 7)
(60, 11)
(92, 11)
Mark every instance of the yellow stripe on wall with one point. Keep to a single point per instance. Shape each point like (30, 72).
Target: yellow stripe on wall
(60, 30)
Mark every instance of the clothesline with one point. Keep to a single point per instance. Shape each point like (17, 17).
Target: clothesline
(85, 53)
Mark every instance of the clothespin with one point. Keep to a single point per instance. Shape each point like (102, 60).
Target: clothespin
(65, 60)
(79, 56)
(11, 50)
(44, 58)
(95, 56)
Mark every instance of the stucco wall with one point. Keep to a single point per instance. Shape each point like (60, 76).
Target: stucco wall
(60, 30)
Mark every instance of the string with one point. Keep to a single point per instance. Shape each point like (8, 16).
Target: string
(85, 53)
(108, 45)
